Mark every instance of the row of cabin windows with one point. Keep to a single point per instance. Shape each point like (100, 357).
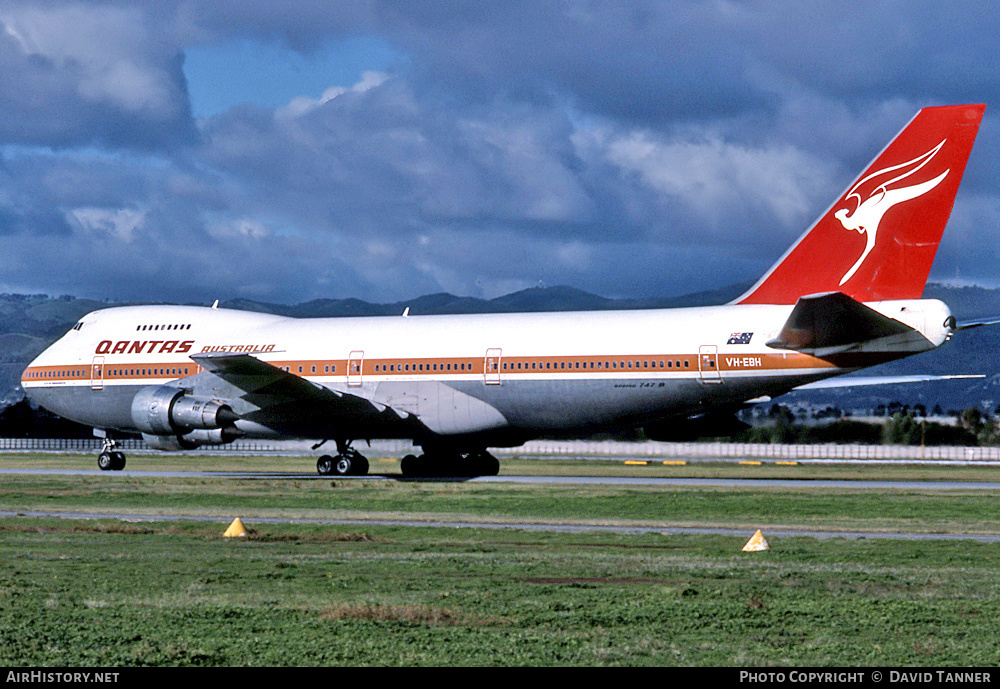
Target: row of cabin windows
(174, 326)
(591, 365)
(520, 366)
(150, 371)
(382, 368)
(422, 367)
(72, 373)
(326, 369)
(77, 373)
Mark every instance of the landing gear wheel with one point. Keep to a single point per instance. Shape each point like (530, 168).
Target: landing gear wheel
(484, 464)
(361, 466)
(324, 465)
(412, 466)
(343, 465)
(445, 463)
(431, 465)
(110, 459)
(350, 463)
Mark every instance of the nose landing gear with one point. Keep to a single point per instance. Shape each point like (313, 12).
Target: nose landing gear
(110, 458)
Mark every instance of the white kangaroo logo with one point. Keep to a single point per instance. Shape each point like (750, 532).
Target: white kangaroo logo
(869, 211)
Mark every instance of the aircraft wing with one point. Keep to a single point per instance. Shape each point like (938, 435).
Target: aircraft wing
(288, 402)
(978, 323)
(858, 381)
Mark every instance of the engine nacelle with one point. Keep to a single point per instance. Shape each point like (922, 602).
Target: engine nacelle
(163, 410)
(192, 412)
(192, 440)
(167, 443)
(213, 436)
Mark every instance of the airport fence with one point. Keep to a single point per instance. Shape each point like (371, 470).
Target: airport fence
(750, 451)
(552, 449)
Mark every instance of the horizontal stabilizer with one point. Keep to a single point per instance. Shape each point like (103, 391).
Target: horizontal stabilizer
(833, 321)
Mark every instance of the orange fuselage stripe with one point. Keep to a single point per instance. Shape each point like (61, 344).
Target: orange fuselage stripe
(393, 367)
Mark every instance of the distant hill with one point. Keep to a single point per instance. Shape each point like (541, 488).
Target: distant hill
(966, 303)
(29, 323)
(535, 299)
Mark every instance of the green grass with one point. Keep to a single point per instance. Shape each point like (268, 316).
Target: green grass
(104, 594)
(115, 593)
(804, 507)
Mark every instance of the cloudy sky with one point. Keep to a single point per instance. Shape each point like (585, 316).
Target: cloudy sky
(195, 150)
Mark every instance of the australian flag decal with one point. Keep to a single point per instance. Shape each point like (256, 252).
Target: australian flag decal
(739, 338)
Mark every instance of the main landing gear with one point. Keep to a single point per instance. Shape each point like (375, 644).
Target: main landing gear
(110, 458)
(435, 462)
(450, 463)
(347, 462)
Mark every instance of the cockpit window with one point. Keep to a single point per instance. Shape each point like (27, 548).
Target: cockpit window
(78, 325)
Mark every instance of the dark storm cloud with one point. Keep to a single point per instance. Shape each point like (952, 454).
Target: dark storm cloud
(76, 74)
(374, 156)
(624, 60)
(628, 148)
(655, 60)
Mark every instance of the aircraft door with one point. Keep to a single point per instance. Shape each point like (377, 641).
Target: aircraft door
(491, 366)
(708, 364)
(97, 374)
(354, 367)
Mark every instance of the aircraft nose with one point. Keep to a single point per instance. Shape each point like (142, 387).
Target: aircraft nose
(29, 391)
(30, 374)
(34, 376)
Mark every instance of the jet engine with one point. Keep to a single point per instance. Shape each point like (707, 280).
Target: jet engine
(192, 440)
(162, 410)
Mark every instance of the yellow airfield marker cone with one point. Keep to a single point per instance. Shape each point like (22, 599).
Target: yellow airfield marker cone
(756, 543)
(235, 529)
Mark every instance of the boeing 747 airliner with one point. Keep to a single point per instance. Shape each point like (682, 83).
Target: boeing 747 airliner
(845, 296)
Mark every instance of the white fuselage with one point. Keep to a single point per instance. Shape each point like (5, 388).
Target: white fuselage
(496, 375)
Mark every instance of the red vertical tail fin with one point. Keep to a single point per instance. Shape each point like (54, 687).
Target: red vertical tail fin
(878, 240)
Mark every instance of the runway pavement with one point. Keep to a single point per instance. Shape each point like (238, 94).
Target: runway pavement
(593, 480)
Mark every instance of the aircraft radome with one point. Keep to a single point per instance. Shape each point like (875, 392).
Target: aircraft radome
(845, 296)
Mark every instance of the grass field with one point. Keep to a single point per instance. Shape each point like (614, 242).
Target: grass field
(110, 592)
